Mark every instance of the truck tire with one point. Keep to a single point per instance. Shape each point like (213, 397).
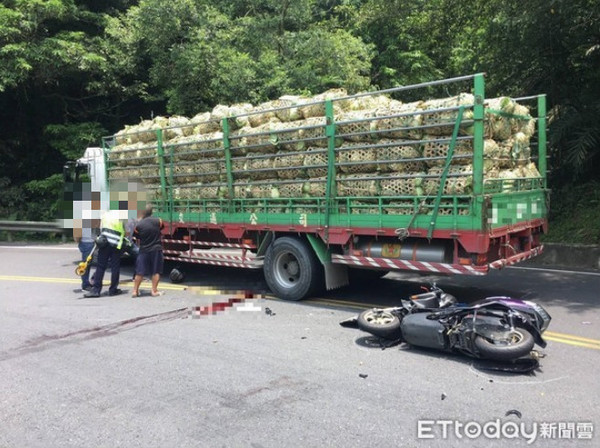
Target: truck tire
(380, 323)
(521, 344)
(292, 269)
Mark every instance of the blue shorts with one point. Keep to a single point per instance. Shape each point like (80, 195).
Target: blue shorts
(149, 263)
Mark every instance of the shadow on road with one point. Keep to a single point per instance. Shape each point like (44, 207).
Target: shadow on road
(577, 292)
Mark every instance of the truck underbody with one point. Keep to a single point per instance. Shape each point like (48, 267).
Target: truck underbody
(377, 250)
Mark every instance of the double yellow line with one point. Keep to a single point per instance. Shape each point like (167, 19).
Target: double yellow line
(75, 281)
(572, 340)
(24, 278)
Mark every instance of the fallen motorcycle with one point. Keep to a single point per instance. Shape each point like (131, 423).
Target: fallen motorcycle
(495, 328)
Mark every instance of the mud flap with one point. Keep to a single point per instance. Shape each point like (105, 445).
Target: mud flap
(336, 275)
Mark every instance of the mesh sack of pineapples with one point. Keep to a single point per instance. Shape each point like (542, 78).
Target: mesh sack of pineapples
(402, 184)
(356, 185)
(459, 180)
(302, 189)
(399, 120)
(440, 115)
(399, 157)
(436, 151)
(133, 154)
(505, 118)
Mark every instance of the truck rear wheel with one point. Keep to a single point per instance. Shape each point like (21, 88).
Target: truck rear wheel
(292, 269)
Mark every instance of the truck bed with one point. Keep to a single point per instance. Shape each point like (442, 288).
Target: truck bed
(463, 170)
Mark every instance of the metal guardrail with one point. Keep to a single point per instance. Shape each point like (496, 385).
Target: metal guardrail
(31, 226)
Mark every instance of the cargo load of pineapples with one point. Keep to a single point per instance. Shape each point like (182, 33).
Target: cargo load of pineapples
(384, 148)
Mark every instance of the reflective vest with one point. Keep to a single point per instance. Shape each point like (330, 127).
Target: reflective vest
(113, 229)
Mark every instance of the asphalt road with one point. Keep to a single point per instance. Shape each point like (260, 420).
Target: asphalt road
(156, 372)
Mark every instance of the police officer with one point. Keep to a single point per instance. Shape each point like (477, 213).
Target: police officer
(110, 244)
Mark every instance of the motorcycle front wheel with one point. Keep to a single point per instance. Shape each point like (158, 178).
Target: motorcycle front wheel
(380, 323)
(519, 343)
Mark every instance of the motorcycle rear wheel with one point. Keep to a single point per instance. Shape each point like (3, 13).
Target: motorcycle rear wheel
(380, 323)
(520, 344)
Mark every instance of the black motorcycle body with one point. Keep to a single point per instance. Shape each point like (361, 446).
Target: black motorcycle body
(498, 328)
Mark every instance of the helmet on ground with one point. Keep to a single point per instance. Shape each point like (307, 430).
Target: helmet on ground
(176, 276)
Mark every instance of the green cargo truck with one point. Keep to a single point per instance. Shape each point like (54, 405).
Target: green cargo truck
(310, 189)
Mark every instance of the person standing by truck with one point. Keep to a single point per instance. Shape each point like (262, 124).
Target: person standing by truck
(150, 260)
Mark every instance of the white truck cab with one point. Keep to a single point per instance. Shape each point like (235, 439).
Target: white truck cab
(93, 159)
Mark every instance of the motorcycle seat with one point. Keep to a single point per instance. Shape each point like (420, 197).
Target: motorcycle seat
(427, 303)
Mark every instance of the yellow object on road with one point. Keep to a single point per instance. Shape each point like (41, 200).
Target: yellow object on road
(83, 266)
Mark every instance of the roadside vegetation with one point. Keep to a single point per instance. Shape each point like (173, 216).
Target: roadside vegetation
(73, 71)
(575, 214)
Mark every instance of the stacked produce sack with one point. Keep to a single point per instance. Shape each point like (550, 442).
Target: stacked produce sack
(279, 148)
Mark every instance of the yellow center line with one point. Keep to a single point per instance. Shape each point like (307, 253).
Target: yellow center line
(76, 281)
(572, 342)
(572, 337)
(24, 278)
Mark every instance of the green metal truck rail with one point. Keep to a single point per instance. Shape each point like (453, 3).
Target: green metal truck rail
(217, 181)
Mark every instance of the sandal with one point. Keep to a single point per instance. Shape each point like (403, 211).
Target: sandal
(135, 295)
(158, 293)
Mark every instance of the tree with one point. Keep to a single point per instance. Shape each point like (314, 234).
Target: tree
(200, 54)
(400, 33)
(53, 67)
(319, 59)
(548, 47)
